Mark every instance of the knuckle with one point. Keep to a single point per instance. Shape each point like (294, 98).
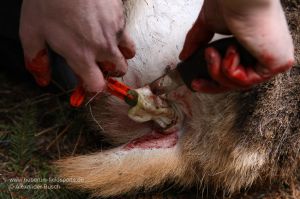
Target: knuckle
(121, 64)
(80, 64)
(27, 33)
(22, 29)
(25, 38)
(83, 63)
(277, 64)
(94, 86)
(122, 20)
(22, 34)
(99, 86)
(114, 52)
(109, 47)
(121, 68)
(290, 61)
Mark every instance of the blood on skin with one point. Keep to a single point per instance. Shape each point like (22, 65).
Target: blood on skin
(230, 60)
(154, 140)
(269, 60)
(182, 99)
(206, 86)
(39, 68)
(107, 66)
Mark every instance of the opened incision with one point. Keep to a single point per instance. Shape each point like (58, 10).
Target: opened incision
(145, 106)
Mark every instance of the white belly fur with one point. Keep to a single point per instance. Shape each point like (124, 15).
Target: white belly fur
(158, 28)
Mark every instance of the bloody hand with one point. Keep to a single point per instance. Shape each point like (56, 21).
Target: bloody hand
(259, 25)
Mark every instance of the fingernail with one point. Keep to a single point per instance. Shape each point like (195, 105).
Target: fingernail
(110, 69)
(39, 68)
(127, 53)
(108, 66)
(77, 97)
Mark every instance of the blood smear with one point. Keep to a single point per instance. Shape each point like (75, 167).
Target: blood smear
(153, 140)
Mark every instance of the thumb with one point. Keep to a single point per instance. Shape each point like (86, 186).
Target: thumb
(36, 56)
(200, 34)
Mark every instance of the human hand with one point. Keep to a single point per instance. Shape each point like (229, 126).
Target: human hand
(259, 25)
(88, 34)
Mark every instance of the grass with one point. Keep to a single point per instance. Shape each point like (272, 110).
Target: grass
(35, 128)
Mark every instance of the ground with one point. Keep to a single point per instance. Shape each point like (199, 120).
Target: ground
(38, 126)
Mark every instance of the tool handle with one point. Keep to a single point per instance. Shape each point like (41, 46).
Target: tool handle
(195, 67)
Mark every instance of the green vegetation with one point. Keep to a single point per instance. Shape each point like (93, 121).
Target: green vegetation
(35, 128)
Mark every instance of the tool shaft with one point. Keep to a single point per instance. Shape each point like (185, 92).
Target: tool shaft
(122, 91)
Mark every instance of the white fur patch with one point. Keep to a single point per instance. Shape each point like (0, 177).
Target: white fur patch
(158, 28)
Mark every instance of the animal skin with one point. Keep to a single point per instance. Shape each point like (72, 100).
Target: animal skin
(228, 141)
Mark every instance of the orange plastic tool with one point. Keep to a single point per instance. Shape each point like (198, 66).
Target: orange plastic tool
(114, 87)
